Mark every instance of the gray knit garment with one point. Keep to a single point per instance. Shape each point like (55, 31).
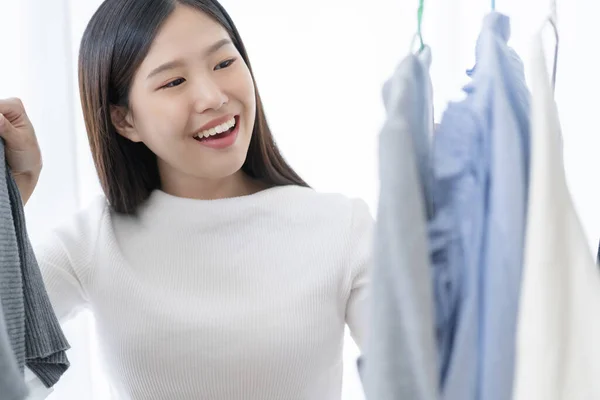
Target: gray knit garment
(33, 330)
(12, 315)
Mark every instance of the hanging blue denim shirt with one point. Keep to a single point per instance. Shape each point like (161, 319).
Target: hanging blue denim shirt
(480, 159)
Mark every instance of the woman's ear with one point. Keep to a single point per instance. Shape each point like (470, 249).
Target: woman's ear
(123, 122)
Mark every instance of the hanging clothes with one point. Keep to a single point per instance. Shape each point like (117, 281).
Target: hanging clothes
(558, 330)
(480, 159)
(12, 385)
(11, 291)
(400, 354)
(35, 336)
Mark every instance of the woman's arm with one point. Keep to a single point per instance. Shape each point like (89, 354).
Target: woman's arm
(360, 262)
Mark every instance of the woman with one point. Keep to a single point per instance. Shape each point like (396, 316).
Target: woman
(212, 270)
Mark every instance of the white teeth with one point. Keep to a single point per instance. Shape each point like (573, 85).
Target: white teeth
(221, 128)
(217, 129)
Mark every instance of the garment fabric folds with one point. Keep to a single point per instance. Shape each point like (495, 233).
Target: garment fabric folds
(33, 331)
(400, 354)
(480, 160)
(557, 341)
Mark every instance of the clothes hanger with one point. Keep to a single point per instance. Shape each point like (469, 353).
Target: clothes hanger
(419, 35)
(552, 20)
(419, 23)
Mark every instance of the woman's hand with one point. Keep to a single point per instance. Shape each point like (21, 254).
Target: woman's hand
(23, 153)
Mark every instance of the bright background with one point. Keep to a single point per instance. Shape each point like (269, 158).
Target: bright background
(320, 65)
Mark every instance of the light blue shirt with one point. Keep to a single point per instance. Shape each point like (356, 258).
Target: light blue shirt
(481, 157)
(400, 353)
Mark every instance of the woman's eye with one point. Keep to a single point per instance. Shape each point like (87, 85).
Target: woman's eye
(225, 64)
(174, 83)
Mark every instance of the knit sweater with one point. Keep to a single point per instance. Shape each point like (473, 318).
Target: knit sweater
(237, 298)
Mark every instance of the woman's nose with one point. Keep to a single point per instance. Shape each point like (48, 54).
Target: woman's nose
(209, 96)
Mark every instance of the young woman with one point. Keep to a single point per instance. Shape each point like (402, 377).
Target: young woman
(212, 270)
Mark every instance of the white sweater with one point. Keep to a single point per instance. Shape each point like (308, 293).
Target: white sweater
(239, 298)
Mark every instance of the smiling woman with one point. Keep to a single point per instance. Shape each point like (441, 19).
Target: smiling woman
(211, 269)
(175, 69)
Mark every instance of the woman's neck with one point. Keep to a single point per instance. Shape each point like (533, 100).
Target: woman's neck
(236, 185)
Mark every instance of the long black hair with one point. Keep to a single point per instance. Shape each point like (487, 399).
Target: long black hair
(115, 42)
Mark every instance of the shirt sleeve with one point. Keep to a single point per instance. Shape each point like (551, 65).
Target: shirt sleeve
(360, 252)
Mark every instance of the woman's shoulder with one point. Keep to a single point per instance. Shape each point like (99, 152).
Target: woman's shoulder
(76, 237)
(329, 207)
(87, 219)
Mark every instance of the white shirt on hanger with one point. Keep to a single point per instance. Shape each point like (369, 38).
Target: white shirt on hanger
(558, 356)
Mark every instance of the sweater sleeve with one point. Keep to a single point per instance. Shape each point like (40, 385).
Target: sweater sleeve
(360, 261)
(65, 258)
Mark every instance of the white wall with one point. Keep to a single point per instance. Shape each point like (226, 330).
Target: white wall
(319, 65)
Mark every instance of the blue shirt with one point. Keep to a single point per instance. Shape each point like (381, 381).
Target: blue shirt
(480, 158)
(400, 352)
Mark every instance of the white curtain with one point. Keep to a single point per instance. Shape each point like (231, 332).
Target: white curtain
(320, 65)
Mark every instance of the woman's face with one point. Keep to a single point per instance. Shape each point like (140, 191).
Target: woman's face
(192, 102)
